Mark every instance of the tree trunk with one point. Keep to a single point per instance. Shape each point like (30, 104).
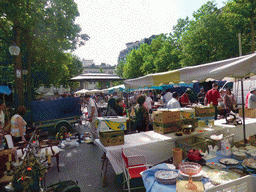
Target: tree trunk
(29, 82)
(18, 68)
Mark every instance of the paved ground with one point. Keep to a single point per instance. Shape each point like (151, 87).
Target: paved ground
(83, 164)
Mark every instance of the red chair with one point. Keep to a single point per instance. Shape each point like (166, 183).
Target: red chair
(132, 168)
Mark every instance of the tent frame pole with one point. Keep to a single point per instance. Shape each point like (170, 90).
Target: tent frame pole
(242, 89)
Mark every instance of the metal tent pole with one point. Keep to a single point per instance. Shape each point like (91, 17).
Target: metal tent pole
(242, 89)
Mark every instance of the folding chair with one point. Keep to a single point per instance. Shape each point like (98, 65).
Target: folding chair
(132, 168)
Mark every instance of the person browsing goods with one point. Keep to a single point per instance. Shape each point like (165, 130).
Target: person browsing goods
(213, 97)
(92, 116)
(174, 103)
(252, 98)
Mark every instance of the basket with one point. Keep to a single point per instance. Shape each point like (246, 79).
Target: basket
(192, 142)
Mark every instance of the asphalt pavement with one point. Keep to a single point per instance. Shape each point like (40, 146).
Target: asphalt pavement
(83, 164)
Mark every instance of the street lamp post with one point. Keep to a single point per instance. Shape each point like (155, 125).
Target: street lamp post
(15, 50)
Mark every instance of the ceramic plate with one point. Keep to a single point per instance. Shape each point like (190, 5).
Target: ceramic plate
(170, 166)
(220, 177)
(215, 165)
(228, 161)
(250, 163)
(166, 175)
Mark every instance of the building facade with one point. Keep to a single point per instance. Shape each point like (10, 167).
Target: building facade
(90, 80)
(90, 67)
(133, 45)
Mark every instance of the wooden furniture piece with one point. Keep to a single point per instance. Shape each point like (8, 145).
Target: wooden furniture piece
(53, 150)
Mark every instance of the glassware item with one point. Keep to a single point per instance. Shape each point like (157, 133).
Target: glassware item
(190, 169)
(177, 156)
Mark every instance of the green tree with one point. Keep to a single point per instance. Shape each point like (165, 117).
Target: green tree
(46, 31)
(244, 12)
(120, 68)
(207, 38)
(133, 63)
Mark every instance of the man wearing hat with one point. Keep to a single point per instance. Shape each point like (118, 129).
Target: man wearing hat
(92, 115)
(252, 98)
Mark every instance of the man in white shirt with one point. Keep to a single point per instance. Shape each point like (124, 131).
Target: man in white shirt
(173, 103)
(148, 103)
(167, 96)
(92, 116)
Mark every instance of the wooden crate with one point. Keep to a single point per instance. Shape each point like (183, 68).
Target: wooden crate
(192, 122)
(165, 128)
(204, 111)
(166, 116)
(248, 112)
(112, 138)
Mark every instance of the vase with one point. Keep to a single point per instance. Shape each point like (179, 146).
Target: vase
(177, 157)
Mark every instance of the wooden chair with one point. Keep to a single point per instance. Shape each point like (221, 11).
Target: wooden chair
(132, 168)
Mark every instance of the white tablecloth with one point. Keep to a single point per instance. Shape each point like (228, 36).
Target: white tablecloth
(154, 146)
(157, 147)
(250, 128)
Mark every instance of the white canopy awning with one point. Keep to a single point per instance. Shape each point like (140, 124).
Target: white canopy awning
(238, 67)
(82, 91)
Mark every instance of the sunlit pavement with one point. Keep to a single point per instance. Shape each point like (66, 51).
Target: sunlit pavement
(83, 164)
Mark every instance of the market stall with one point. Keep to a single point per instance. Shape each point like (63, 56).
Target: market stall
(154, 146)
(238, 67)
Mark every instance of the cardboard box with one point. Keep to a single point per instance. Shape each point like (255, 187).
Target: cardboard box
(192, 122)
(166, 116)
(204, 111)
(165, 128)
(187, 113)
(112, 138)
(111, 124)
(248, 112)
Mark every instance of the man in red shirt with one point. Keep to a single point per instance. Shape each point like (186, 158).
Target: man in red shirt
(213, 96)
(184, 99)
(246, 97)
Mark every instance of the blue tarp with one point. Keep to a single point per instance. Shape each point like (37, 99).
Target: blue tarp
(5, 90)
(55, 109)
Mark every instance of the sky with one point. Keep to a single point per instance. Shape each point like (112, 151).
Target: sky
(113, 23)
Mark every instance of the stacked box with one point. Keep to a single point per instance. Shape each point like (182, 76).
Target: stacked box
(112, 138)
(166, 116)
(205, 111)
(248, 112)
(187, 113)
(167, 128)
(166, 121)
